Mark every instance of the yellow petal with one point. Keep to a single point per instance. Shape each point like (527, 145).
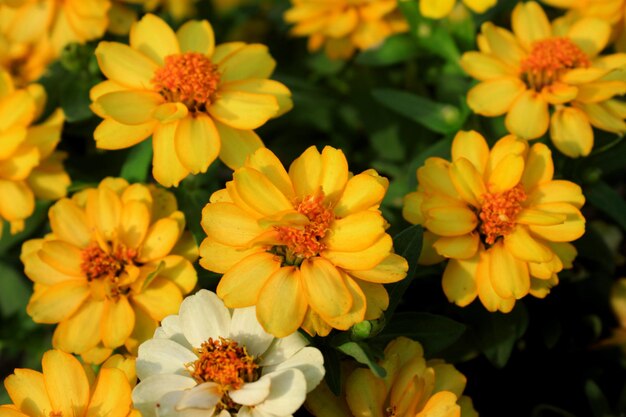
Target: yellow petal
(472, 146)
(104, 210)
(361, 260)
(236, 145)
(228, 224)
(242, 110)
(58, 302)
(391, 269)
(362, 192)
(488, 297)
(459, 280)
(485, 67)
(325, 288)
(154, 38)
(264, 161)
(412, 208)
(241, 284)
(356, 313)
(509, 276)
(112, 135)
(11, 139)
(364, 381)
(442, 404)
(219, 258)
(125, 66)
(196, 36)
(19, 166)
(281, 305)
(434, 176)
(600, 91)
(66, 383)
(160, 299)
(225, 50)
(130, 107)
(503, 44)
(507, 174)
(571, 132)
(603, 117)
(342, 24)
(18, 108)
(590, 34)
(197, 143)
(578, 76)
(557, 191)
(180, 271)
(524, 247)
(538, 217)
(17, 202)
(495, 97)
(334, 173)
(571, 229)
(451, 221)
(436, 9)
(259, 192)
(539, 168)
(134, 223)
(530, 24)
(144, 329)
(250, 61)
(79, 334)
(63, 256)
(170, 112)
(468, 181)
(355, 232)
(69, 223)
(166, 167)
(111, 397)
(118, 320)
(28, 392)
(376, 298)
(260, 86)
(508, 145)
(559, 93)
(305, 172)
(458, 247)
(528, 117)
(160, 240)
(540, 288)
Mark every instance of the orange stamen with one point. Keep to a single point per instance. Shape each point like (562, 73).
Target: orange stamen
(499, 211)
(548, 59)
(106, 267)
(305, 242)
(190, 78)
(225, 362)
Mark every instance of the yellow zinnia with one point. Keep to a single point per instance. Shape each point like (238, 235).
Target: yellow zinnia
(438, 9)
(308, 247)
(197, 101)
(413, 387)
(541, 66)
(343, 26)
(500, 218)
(65, 388)
(29, 166)
(115, 264)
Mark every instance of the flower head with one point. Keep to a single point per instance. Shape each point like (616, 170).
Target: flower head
(499, 217)
(542, 66)
(116, 263)
(212, 360)
(344, 26)
(65, 388)
(437, 9)
(308, 247)
(198, 101)
(29, 166)
(413, 387)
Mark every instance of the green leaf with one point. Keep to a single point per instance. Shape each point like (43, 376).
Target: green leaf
(408, 244)
(606, 199)
(433, 331)
(35, 221)
(593, 247)
(363, 354)
(597, 401)
(14, 292)
(546, 410)
(138, 162)
(333, 369)
(438, 117)
(395, 49)
(75, 99)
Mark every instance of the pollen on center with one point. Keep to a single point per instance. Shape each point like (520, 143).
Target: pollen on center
(225, 362)
(499, 212)
(548, 59)
(307, 241)
(190, 78)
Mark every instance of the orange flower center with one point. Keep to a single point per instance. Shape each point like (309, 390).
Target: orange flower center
(106, 267)
(225, 362)
(190, 78)
(306, 241)
(499, 211)
(548, 59)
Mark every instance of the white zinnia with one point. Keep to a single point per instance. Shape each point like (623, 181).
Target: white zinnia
(285, 369)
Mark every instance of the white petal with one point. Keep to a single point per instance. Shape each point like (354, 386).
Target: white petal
(246, 330)
(253, 392)
(287, 393)
(283, 348)
(171, 329)
(309, 361)
(202, 316)
(204, 396)
(167, 407)
(246, 411)
(163, 356)
(150, 391)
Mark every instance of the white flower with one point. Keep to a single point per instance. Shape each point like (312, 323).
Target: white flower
(211, 361)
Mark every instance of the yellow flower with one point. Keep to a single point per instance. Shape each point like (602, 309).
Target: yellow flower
(308, 247)
(64, 388)
(197, 101)
(121, 16)
(412, 387)
(438, 9)
(499, 216)
(343, 26)
(116, 263)
(29, 166)
(56, 22)
(542, 66)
